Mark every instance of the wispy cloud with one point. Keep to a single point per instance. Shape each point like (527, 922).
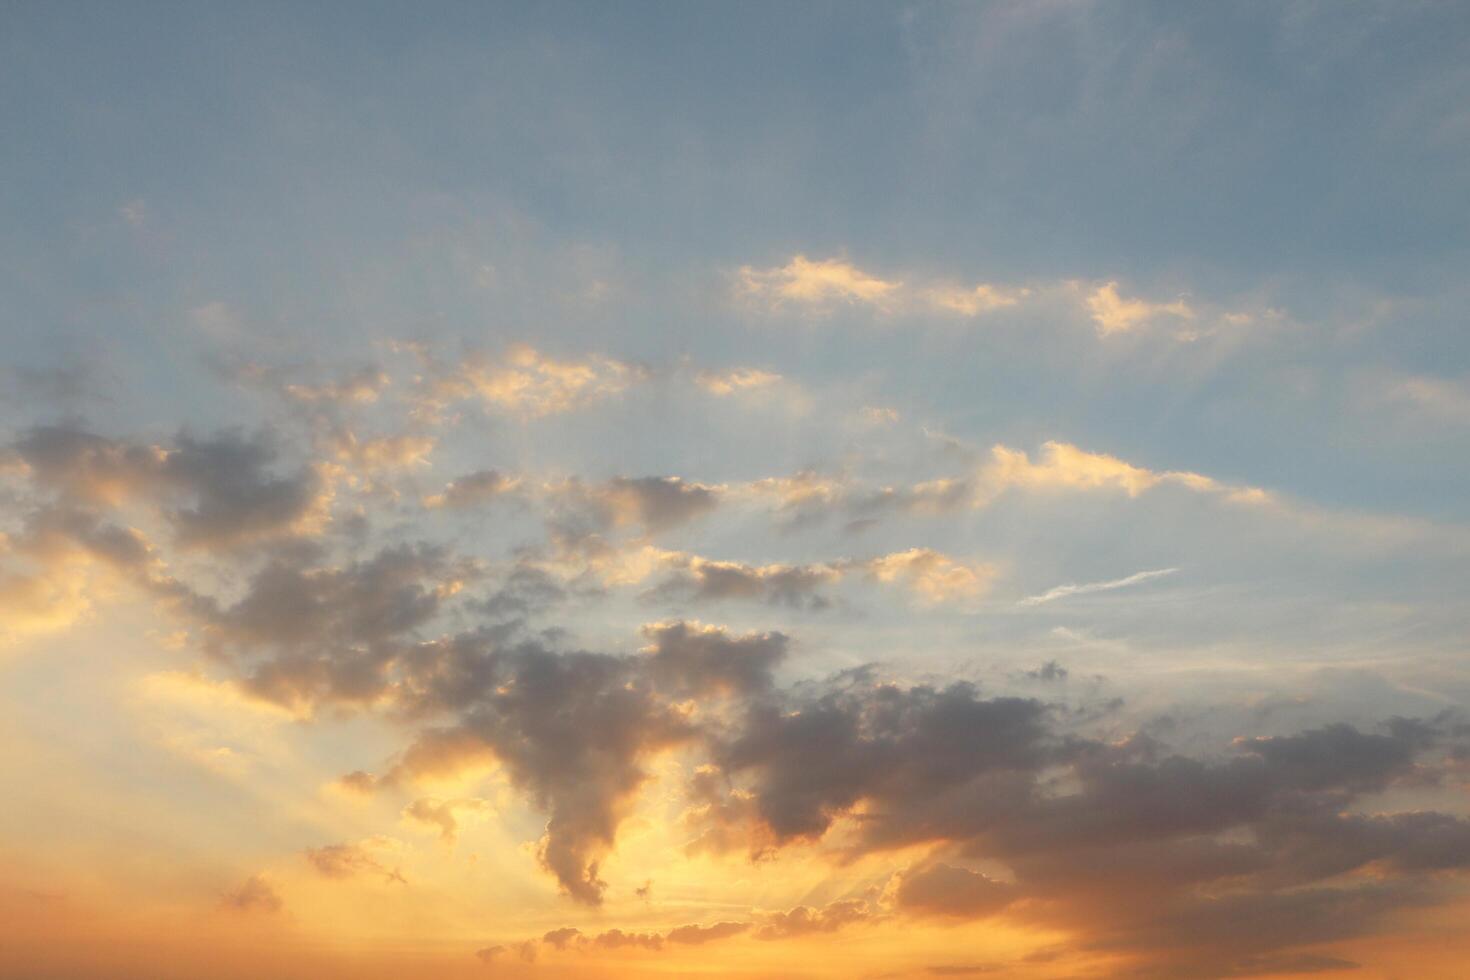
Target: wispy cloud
(1063, 591)
(820, 286)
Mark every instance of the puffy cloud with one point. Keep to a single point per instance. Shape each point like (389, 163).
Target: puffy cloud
(235, 495)
(618, 939)
(696, 935)
(698, 660)
(562, 938)
(1123, 841)
(88, 467)
(811, 762)
(1114, 314)
(571, 730)
(803, 921)
(216, 491)
(306, 634)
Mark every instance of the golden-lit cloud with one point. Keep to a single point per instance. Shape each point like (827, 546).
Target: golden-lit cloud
(1115, 314)
(815, 284)
(821, 286)
(723, 383)
(523, 382)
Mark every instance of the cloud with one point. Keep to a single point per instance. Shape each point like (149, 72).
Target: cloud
(807, 498)
(804, 921)
(524, 382)
(63, 560)
(1114, 315)
(933, 577)
(444, 815)
(930, 576)
(972, 300)
(618, 939)
(694, 659)
(254, 895)
(1063, 591)
(811, 761)
(218, 491)
(562, 938)
(303, 634)
(1064, 466)
(571, 731)
(736, 380)
(821, 286)
(362, 387)
(380, 454)
(1049, 671)
(1442, 398)
(697, 935)
(945, 890)
(1138, 849)
(814, 284)
(705, 580)
(342, 861)
(472, 490)
(582, 515)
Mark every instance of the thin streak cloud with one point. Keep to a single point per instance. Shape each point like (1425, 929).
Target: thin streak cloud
(1065, 591)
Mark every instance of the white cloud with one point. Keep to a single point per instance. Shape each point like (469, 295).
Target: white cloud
(1063, 591)
(1113, 314)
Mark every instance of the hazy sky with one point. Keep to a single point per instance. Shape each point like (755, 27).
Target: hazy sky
(753, 490)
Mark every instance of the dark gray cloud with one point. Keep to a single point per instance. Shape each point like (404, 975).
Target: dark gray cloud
(305, 634)
(691, 659)
(235, 495)
(1220, 863)
(658, 502)
(525, 591)
(570, 729)
(810, 762)
(218, 491)
(1149, 852)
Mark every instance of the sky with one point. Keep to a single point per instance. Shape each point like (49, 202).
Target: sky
(762, 490)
